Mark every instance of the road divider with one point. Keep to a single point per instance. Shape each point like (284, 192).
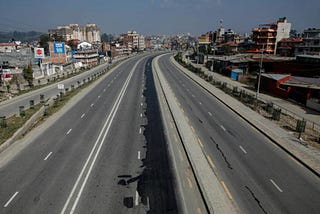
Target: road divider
(212, 191)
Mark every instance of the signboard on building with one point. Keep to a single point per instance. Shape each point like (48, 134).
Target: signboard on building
(58, 47)
(38, 53)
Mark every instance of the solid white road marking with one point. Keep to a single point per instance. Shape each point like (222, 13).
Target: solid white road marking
(274, 183)
(222, 127)
(210, 113)
(244, 151)
(137, 199)
(139, 155)
(83, 115)
(69, 131)
(95, 152)
(12, 197)
(46, 158)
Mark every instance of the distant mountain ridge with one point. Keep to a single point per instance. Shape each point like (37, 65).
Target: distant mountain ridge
(19, 36)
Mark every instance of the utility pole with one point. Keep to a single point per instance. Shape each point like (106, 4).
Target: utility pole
(259, 78)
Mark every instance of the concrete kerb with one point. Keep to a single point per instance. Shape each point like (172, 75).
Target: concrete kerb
(26, 127)
(259, 123)
(213, 193)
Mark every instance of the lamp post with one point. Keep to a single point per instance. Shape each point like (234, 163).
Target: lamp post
(259, 78)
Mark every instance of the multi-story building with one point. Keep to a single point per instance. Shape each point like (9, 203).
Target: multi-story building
(310, 42)
(286, 47)
(141, 44)
(87, 58)
(205, 38)
(133, 41)
(268, 35)
(89, 33)
(61, 58)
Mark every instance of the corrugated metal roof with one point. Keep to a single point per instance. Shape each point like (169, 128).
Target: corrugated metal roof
(275, 76)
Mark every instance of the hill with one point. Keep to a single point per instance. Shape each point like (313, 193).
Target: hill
(19, 36)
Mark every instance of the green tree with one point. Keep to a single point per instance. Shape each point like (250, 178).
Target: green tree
(203, 49)
(226, 49)
(28, 75)
(43, 41)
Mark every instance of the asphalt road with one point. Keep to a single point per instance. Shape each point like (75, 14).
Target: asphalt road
(257, 174)
(107, 154)
(10, 107)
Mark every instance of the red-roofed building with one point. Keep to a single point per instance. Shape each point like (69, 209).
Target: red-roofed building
(267, 36)
(286, 47)
(8, 47)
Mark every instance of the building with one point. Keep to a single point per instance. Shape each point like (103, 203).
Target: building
(86, 55)
(62, 58)
(133, 41)
(267, 36)
(205, 38)
(8, 47)
(86, 58)
(310, 42)
(287, 46)
(89, 33)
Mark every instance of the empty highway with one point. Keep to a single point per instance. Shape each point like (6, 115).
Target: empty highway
(106, 154)
(256, 174)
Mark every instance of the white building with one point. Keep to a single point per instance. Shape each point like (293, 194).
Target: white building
(283, 31)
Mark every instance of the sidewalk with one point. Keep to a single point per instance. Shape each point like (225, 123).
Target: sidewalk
(288, 107)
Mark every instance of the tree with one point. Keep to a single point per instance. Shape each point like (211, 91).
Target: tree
(28, 75)
(43, 41)
(226, 49)
(73, 44)
(15, 80)
(203, 49)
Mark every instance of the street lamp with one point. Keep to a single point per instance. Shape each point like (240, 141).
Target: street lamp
(259, 78)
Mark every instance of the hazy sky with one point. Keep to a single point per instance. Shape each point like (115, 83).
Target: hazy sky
(157, 16)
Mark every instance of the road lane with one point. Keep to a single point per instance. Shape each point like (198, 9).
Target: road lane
(247, 174)
(44, 185)
(10, 107)
(129, 174)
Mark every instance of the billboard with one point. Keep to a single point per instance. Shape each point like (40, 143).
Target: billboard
(38, 53)
(58, 47)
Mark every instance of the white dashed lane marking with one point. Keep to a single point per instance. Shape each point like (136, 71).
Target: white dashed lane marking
(222, 127)
(11, 199)
(244, 151)
(274, 184)
(46, 158)
(69, 131)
